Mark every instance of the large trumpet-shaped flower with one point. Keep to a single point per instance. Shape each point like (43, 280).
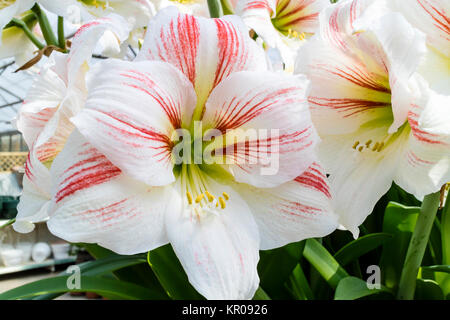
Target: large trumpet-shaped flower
(282, 24)
(377, 121)
(117, 182)
(57, 93)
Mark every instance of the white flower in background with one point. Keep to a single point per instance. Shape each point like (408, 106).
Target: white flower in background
(282, 24)
(139, 11)
(57, 94)
(377, 122)
(16, 44)
(194, 7)
(115, 182)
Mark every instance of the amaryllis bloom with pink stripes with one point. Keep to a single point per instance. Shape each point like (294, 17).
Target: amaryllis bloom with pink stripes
(58, 92)
(377, 121)
(282, 24)
(116, 183)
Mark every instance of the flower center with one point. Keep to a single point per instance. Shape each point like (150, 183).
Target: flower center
(199, 201)
(184, 1)
(95, 3)
(6, 3)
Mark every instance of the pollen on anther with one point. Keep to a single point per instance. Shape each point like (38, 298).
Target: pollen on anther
(368, 143)
(360, 148)
(199, 198)
(189, 197)
(209, 196)
(380, 147)
(355, 145)
(222, 203)
(375, 147)
(226, 196)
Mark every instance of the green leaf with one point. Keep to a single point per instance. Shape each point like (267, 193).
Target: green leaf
(324, 262)
(399, 221)
(275, 266)
(438, 268)
(171, 275)
(428, 290)
(101, 267)
(442, 278)
(299, 285)
(110, 288)
(356, 248)
(260, 294)
(351, 288)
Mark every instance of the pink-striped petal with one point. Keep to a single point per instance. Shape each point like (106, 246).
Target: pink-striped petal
(94, 202)
(293, 211)
(425, 163)
(131, 113)
(268, 137)
(205, 50)
(431, 17)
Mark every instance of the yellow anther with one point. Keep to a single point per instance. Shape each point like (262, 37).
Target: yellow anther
(217, 205)
(380, 147)
(360, 148)
(222, 203)
(210, 196)
(226, 196)
(368, 143)
(375, 147)
(355, 145)
(199, 198)
(189, 197)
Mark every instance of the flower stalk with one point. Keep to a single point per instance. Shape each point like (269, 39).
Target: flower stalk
(21, 24)
(417, 246)
(215, 8)
(47, 31)
(61, 37)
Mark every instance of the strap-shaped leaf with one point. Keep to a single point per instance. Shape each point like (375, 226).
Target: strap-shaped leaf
(351, 288)
(356, 248)
(109, 288)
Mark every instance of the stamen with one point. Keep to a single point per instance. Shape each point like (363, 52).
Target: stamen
(199, 198)
(355, 145)
(210, 196)
(360, 148)
(189, 197)
(222, 203)
(368, 143)
(375, 147)
(380, 147)
(226, 196)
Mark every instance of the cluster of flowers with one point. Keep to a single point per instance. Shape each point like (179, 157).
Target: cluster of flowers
(358, 93)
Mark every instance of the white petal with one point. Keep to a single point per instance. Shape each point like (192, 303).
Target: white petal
(359, 176)
(400, 48)
(431, 17)
(14, 43)
(131, 113)
(88, 36)
(218, 252)
(425, 164)
(92, 201)
(269, 115)
(205, 50)
(293, 211)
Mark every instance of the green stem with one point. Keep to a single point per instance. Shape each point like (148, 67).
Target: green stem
(61, 36)
(417, 246)
(47, 31)
(21, 24)
(215, 9)
(10, 222)
(227, 7)
(445, 225)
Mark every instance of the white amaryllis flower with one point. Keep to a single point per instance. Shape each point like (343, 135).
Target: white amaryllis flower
(140, 11)
(194, 7)
(116, 183)
(377, 124)
(57, 94)
(282, 24)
